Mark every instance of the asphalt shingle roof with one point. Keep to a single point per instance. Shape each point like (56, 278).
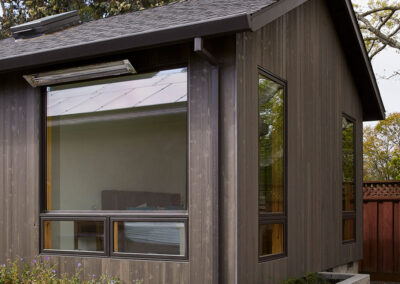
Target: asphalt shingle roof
(145, 21)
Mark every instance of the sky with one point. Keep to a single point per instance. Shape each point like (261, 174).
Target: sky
(384, 64)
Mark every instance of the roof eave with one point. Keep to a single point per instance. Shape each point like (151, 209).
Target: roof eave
(352, 41)
(213, 27)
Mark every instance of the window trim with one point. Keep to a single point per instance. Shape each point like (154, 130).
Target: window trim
(108, 215)
(275, 218)
(349, 214)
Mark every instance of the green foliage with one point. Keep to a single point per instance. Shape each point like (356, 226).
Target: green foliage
(382, 150)
(19, 271)
(310, 278)
(16, 12)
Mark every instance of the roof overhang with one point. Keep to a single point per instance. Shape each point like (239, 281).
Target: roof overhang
(353, 45)
(122, 44)
(342, 15)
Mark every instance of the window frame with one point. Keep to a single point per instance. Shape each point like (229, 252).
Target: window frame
(349, 214)
(176, 219)
(72, 219)
(108, 215)
(274, 218)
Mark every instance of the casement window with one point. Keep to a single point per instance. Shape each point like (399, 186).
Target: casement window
(348, 183)
(115, 167)
(272, 230)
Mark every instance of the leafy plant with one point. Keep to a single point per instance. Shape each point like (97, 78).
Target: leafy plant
(38, 271)
(310, 278)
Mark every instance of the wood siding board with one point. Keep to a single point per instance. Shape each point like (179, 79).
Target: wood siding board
(203, 180)
(228, 166)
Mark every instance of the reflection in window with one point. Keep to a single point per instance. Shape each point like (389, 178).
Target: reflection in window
(348, 184)
(118, 144)
(348, 164)
(270, 153)
(270, 239)
(166, 238)
(74, 235)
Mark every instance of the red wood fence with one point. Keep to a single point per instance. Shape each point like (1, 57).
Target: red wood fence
(382, 230)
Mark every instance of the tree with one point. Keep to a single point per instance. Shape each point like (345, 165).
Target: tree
(382, 150)
(21, 11)
(380, 25)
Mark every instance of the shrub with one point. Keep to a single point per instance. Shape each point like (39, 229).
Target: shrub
(15, 272)
(310, 278)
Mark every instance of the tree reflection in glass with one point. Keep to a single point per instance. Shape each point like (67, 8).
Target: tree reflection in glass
(348, 164)
(270, 146)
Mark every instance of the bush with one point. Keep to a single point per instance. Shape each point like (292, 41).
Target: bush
(43, 272)
(310, 278)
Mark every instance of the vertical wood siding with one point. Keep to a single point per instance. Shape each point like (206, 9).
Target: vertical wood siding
(19, 171)
(19, 181)
(303, 48)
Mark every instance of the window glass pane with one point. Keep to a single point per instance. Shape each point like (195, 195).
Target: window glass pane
(348, 165)
(348, 229)
(74, 235)
(270, 239)
(270, 146)
(118, 144)
(167, 238)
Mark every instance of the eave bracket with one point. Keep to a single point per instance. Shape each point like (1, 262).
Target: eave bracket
(200, 50)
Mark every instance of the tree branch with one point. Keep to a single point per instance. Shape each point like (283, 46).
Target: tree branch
(385, 39)
(377, 51)
(385, 20)
(380, 9)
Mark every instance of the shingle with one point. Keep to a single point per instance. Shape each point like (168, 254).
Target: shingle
(145, 21)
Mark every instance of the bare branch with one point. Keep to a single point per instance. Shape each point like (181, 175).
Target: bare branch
(377, 51)
(385, 39)
(385, 20)
(380, 9)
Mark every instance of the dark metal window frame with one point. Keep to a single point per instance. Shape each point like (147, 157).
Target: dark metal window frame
(350, 214)
(72, 219)
(109, 215)
(275, 218)
(138, 219)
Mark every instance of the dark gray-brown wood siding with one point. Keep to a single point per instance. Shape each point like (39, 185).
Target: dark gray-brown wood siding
(20, 185)
(303, 48)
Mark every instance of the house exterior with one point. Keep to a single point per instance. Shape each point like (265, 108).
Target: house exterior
(233, 154)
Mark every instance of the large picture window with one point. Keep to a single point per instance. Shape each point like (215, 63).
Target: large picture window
(348, 184)
(117, 148)
(271, 167)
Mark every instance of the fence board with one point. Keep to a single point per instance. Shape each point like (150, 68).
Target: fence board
(396, 235)
(370, 236)
(385, 236)
(382, 230)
